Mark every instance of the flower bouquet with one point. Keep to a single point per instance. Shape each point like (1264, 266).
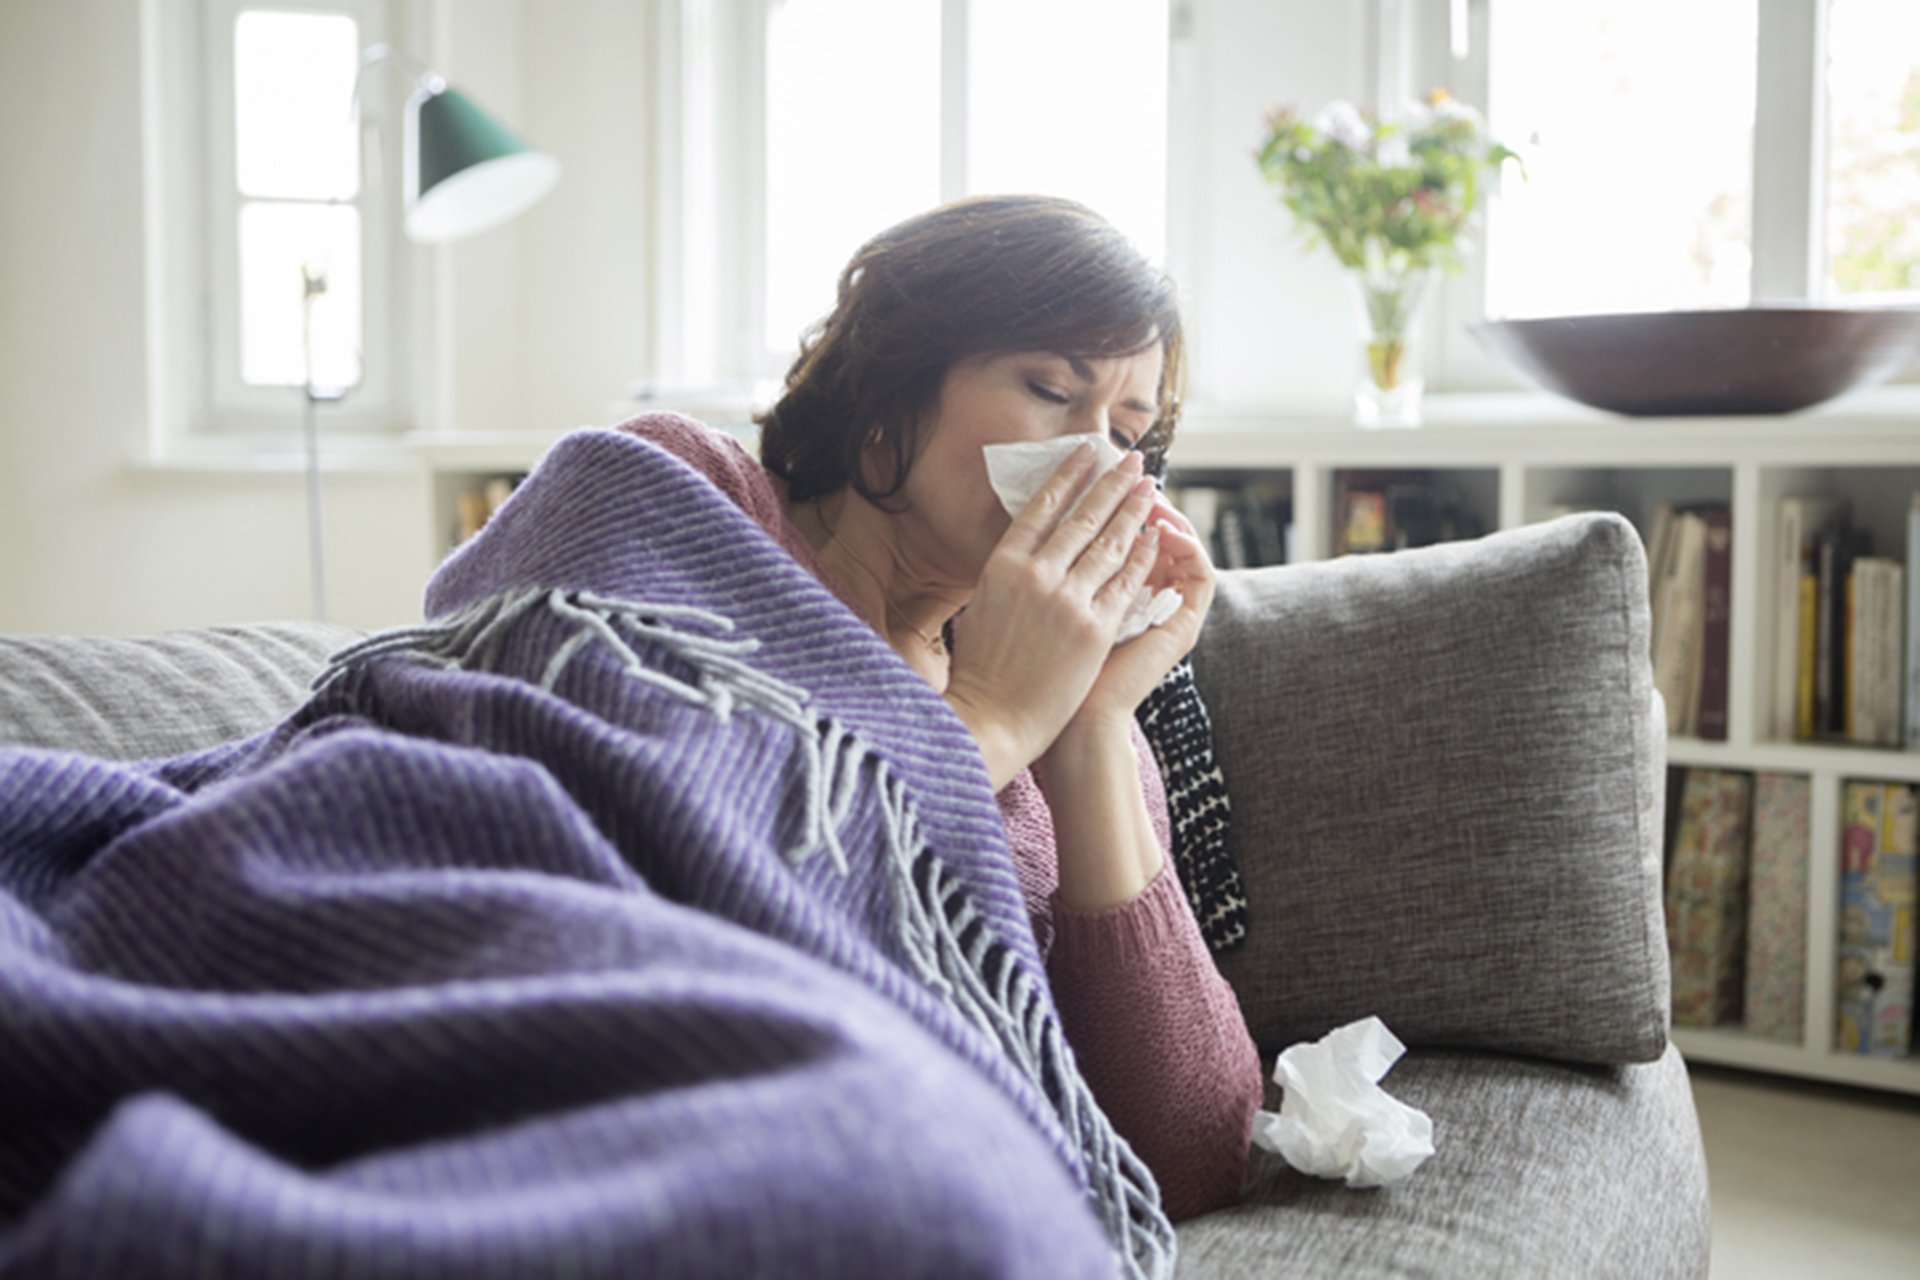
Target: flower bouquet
(1392, 200)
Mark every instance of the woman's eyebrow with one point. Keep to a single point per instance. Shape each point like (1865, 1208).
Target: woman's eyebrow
(1083, 371)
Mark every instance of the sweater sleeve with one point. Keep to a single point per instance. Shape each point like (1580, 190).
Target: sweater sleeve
(1155, 1029)
(1159, 1036)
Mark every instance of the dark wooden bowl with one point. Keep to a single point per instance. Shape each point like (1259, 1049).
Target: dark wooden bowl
(1757, 360)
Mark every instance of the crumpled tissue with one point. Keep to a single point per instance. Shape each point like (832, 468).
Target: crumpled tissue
(1016, 472)
(1335, 1120)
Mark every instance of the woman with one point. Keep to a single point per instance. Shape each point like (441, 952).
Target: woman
(997, 320)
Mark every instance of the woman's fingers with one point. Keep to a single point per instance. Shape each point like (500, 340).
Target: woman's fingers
(1102, 557)
(1089, 517)
(1117, 594)
(1051, 501)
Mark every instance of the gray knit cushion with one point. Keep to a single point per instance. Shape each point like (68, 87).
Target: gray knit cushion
(1445, 767)
(1539, 1169)
(133, 699)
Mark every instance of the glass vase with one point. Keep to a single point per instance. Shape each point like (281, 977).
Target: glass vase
(1391, 381)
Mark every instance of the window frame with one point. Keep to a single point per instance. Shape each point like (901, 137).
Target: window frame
(193, 205)
(1789, 167)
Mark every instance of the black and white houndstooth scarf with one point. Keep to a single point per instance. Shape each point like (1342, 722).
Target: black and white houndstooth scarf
(1180, 732)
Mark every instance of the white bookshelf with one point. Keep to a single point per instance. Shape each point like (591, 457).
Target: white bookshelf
(1543, 455)
(1517, 457)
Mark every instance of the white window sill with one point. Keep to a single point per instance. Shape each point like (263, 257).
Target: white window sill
(279, 454)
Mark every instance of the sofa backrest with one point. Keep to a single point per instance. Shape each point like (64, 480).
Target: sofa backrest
(135, 699)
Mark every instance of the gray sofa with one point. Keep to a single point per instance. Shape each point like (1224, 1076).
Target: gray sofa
(1446, 770)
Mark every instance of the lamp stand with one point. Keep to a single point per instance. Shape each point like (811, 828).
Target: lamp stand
(313, 283)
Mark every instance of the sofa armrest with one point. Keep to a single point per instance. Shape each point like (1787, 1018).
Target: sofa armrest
(1446, 768)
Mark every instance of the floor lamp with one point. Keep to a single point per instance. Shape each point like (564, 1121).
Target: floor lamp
(464, 173)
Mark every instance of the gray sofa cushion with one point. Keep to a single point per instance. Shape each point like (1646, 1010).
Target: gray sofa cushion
(1445, 770)
(1539, 1169)
(133, 699)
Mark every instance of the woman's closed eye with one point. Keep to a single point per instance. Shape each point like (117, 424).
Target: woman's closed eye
(1051, 396)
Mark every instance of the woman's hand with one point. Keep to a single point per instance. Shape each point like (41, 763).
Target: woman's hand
(1090, 774)
(1038, 633)
(1136, 668)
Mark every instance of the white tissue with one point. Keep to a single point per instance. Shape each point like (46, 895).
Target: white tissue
(1335, 1120)
(1016, 472)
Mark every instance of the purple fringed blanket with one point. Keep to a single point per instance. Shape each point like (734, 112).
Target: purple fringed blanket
(640, 915)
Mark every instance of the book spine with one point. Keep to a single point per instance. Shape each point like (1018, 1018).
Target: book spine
(1886, 643)
(1659, 556)
(1854, 978)
(1829, 618)
(1777, 907)
(1788, 534)
(1855, 674)
(1706, 898)
(1803, 706)
(1230, 541)
(1711, 702)
(1676, 664)
(1897, 887)
(1913, 625)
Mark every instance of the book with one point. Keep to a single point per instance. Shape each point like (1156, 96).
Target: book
(1800, 518)
(1911, 659)
(1267, 521)
(1232, 547)
(1873, 651)
(477, 503)
(1873, 1011)
(1805, 725)
(1706, 898)
(1676, 661)
(1834, 556)
(470, 512)
(1776, 973)
(1659, 551)
(1710, 694)
(1670, 816)
(1363, 521)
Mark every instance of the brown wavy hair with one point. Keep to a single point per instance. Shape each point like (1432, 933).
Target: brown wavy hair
(983, 276)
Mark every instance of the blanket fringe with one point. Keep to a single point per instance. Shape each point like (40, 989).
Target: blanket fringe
(473, 640)
(954, 950)
(950, 945)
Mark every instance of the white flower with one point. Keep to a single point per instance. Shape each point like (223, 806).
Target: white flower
(1393, 153)
(1342, 123)
(1451, 108)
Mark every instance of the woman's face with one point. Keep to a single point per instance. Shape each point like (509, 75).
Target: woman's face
(953, 518)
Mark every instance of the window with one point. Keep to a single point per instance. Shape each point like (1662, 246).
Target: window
(858, 113)
(1636, 120)
(264, 178)
(1685, 156)
(1873, 150)
(295, 193)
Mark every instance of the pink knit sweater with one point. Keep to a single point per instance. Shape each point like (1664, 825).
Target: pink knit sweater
(1156, 1030)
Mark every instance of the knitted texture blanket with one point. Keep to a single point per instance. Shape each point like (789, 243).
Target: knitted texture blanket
(640, 914)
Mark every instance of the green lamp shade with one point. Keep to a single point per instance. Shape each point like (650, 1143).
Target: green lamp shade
(469, 171)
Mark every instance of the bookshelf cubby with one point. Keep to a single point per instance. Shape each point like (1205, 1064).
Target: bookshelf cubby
(1519, 458)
